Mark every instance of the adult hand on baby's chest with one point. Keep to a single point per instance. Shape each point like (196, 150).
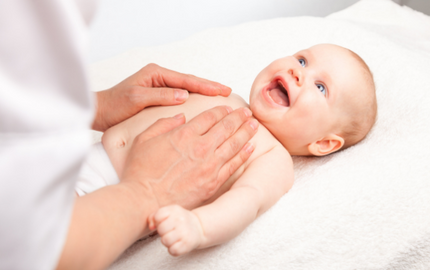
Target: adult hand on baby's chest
(188, 164)
(150, 86)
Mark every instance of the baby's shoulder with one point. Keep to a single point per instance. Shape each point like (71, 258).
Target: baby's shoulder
(269, 170)
(268, 147)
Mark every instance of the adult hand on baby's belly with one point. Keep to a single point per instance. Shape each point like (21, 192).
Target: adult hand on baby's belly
(187, 163)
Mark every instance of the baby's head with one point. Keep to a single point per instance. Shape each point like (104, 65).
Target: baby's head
(317, 101)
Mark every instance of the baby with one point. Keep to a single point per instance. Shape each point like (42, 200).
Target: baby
(314, 103)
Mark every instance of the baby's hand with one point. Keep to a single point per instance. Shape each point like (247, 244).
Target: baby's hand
(180, 229)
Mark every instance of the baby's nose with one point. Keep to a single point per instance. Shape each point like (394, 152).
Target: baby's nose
(297, 76)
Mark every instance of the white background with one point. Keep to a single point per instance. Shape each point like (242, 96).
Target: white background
(123, 24)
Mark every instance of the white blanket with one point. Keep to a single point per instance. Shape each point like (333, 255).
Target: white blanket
(367, 207)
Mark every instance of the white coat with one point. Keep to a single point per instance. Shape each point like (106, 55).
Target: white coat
(46, 109)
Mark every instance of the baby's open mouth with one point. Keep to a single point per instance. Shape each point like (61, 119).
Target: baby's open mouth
(278, 93)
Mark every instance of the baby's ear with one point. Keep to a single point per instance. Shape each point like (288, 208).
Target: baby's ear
(327, 145)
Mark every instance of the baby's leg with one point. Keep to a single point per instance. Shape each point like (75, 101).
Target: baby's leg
(96, 172)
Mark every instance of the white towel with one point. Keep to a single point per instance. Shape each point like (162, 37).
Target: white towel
(367, 207)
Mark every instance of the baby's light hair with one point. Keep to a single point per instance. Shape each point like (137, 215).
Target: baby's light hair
(361, 114)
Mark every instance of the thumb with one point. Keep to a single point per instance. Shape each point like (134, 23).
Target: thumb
(151, 222)
(163, 96)
(162, 126)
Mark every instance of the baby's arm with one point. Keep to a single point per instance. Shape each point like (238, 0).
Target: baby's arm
(261, 185)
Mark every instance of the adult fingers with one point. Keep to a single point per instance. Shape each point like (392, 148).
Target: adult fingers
(163, 77)
(205, 87)
(207, 119)
(229, 168)
(148, 96)
(234, 144)
(235, 151)
(227, 127)
(161, 126)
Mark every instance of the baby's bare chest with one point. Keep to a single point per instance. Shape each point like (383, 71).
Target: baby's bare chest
(118, 139)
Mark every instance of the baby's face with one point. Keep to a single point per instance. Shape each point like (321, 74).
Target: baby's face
(300, 98)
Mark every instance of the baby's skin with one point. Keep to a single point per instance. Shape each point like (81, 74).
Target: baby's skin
(299, 102)
(249, 192)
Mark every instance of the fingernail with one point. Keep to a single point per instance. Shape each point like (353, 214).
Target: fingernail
(249, 147)
(179, 116)
(181, 95)
(247, 111)
(229, 109)
(254, 124)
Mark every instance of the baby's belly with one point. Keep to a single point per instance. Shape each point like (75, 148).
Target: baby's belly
(117, 140)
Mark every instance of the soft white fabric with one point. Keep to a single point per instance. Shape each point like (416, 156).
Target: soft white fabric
(45, 112)
(364, 208)
(96, 172)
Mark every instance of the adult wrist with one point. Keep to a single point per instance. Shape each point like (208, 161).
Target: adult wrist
(143, 200)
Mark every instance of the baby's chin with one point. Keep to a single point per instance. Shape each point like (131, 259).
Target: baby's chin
(256, 110)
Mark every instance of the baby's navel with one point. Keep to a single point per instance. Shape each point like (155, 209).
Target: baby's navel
(120, 144)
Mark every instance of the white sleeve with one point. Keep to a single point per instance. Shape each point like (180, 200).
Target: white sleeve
(45, 112)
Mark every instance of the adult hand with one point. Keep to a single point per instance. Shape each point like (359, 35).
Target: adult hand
(187, 163)
(150, 86)
(170, 162)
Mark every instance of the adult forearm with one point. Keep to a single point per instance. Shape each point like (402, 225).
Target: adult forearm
(104, 224)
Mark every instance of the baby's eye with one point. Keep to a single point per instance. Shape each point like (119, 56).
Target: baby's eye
(321, 87)
(302, 62)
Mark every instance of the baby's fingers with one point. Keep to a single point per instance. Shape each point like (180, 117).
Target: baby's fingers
(179, 248)
(170, 238)
(165, 219)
